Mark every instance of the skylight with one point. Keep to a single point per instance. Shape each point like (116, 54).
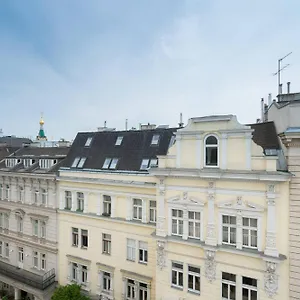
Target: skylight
(75, 162)
(155, 139)
(148, 163)
(88, 141)
(106, 163)
(81, 162)
(144, 164)
(110, 163)
(113, 164)
(153, 162)
(119, 140)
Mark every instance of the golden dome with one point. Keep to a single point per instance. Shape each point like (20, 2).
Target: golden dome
(42, 121)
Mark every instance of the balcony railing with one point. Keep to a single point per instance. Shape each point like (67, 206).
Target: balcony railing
(40, 282)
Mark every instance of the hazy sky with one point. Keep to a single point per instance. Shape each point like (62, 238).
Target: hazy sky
(84, 62)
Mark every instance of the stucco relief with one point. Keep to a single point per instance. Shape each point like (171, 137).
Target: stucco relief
(210, 265)
(271, 279)
(210, 230)
(161, 254)
(270, 241)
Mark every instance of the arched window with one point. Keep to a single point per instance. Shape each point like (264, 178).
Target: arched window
(211, 151)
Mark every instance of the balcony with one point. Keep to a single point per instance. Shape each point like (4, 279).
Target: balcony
(37, 281)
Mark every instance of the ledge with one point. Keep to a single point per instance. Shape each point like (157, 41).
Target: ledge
(105, 267)
(136, 276)
(79, 259)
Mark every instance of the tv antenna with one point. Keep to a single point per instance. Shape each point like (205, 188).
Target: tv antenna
(280, 69)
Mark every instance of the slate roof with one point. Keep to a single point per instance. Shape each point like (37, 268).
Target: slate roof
(13, 141)
(6, 151)
(135, 146)
(265, 135)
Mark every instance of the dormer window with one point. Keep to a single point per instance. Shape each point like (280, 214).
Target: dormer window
(88, 141)
(47, 163)
(10, 162)
(75, 162)
(211, 151)
(144, 164)
(148, 163)
(119, 140)
(110, 163)
(78, 162)
(28, 162)
(155, 140)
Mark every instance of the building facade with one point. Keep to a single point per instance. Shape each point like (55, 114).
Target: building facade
(28, 222)
(175, 214)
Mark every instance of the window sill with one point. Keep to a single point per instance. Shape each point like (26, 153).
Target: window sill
(106, 253)
(131, 260)
(194, 292)
(145, 263)
(75, 246)
(177, 287)
(83, 248)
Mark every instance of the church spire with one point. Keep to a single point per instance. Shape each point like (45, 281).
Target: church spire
(41, 136)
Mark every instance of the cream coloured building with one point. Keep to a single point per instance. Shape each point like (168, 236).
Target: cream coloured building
(195, 213)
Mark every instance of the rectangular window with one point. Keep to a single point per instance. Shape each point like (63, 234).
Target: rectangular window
(153, 162)
(119, 141)
(106, 205)
(6, 250)
(21, 194)
(74, 236)
(177, 274)
(106, 281)
(113, 164)
(43, 261)
(131, 244)
(4, 220)
(84, 275)
(21, 254)
(68, 200)
(249, 288)
(106, 163)
(177, 222)
(110, 163)
(144, 164)
(35, 259)
(19, 224)
(88, 141)
(80, 201)
(1, 191)
(44, 197)
(81, 162)
(250, 233)
(229, 230)
(143, 252)
(7, 192)
(75, 162)
(84, 238)
(74, 275)
(130, 289)
(228, 286)
(143, 290)
(152, 211)
(194, 279)
(43, 229)
(194, 224)
(137, 209)
(106, 243)
(36, 197)
(1, 248)
(155, 139)
(35, 224)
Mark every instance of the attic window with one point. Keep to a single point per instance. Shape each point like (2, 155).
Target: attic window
(271, 152)
(153, 162)
(148, 163)
(88, 141)
(110, 163)
(28, 162)
(155, 139)
(75, 162)
(10, 162)
(119, 141)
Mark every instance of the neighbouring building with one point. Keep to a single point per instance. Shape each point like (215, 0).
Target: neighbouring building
(200, 212)
(28, 221)
(285, 113)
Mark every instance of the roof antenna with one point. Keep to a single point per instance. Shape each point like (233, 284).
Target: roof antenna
(280, 69)
(180, 121)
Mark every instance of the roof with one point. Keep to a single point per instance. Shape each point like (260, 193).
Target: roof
(135, 146)
(51, 152)
(6, 151)
(14, 141)
(265, 135)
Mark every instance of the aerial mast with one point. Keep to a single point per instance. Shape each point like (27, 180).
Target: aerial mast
(280, 69)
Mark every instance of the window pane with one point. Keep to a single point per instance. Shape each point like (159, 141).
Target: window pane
(232, 292)
(190, 283)
(225, 290)
(174, 277)
(249, 281)
(211, 140)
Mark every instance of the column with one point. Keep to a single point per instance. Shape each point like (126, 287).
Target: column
(199, 147)
(86, 202)
(62, 199)
(239, 230)
(211, 235)
(239, 289)
(136, 290)
(144, 211)
(271, 248)
(17, 294)
(148, 291)
(185, 224)
(223, 158)
(129, 208)
(160, 206)
(100, 205)
(113, 206)
(178, 150)
(74, 201)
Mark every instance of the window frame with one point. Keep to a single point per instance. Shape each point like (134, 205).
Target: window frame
(138, 208)
(155, 139)
(153, 209)
(229, 227)
(211, 146)
(107, 204)
(229, 283)
(119, 140)
(84, 236)
(177, 271)
(194, 275)
(131, 249)
(80, 201)
(68, 197)
(143, 252)
(178, 219)
(250, 288)
(249, 228)
(75, 236)
(106, 243)
(195, 222)
(88, 141)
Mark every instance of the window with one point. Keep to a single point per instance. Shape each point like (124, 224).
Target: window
(84, 238)
(75, 162)
(44, 197)
(249, 288)
(36, 227)
(177, 274)
(119, 141)
(106, 205)
(35, 259)
(144, 164)
(1, 191)
(229, 230)
(130, 289)
(43, 261)
(194, 279)
(152, 211)
(74, 272)
(155, 139)
(4, 220)
(7, 192)
(106, 243)
(1, 248)
(137, 209)
(80, 201)
(143, 291)
(143, 252)
(68, 200)
(21, 194)
(36, 197)
(88, 141)
(106, 281)
(81, 162)
(194, 224)
(110, 163)
(19, 224)
(131, 249)
(84, 275)
(250, 233)
(74, 236)
(153, 162)
(43, 229)
(21, 254)
(228, 286)
(10, 162)
(211, 151)
(6, 249)
(177, 222)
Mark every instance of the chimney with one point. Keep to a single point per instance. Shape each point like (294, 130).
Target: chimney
(288, 87)
(180, 121)
(126, 124)
(262, 110)
(280, 88)
(270, 99)
(104, 124)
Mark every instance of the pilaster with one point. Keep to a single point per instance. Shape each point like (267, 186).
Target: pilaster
(178, 151)
(160, 224)
(211, 232)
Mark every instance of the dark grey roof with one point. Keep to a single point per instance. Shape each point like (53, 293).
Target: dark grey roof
(136, 145)
(51, 152)
(13, 141)
(6, 151)
(265, 135)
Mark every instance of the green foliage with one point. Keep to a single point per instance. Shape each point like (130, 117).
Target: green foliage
(68, 292)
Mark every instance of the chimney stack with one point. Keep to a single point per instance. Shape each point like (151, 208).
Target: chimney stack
(288, 87)
(180, 121)
(262, 110)
(126, 124)
(270, 99)
(280, 88)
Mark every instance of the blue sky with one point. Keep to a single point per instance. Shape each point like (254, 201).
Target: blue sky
(84, 62)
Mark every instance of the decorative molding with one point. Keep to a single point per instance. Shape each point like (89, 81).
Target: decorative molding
(210, 265)
(239, 204)
(161, 254)
(271, 279)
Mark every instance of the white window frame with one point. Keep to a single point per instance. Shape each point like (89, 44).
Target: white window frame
(194, 276)
(145, 164)
(74, 271)
(143, 252)
(43, 261)
(228, 283)
(1, 191)
(75, 162)
(44, 198)
(212, 146)
(75, 236)
(4, 220)
(137, 211)
(106, 243)
(68, 200)
(131, 249)
(250, 288)
(177, 271)
(155, 140)
(42, 228)
(249, 228)
(81, 162)
(20, 224)
(144, 290)
(80, 201)
(194, 221)
(152, 211)
(106, 281)
(130, 283)
(7, 192)
(1, 248)
(6, 250)
(119, 140)
(21, 194)
(179, 222)
(107, 203)
(230, 228)
(36, 197)
(82, 234)
(35, 259)
(110, 163)
(84, 275)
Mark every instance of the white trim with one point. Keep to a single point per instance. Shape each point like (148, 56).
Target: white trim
(224, 151)
(199, 153)
(248, 141)
(178, 150)
(218, 151)
(100, 204)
